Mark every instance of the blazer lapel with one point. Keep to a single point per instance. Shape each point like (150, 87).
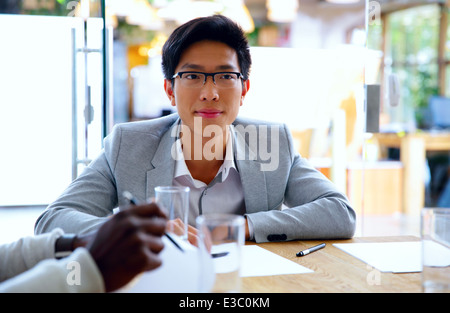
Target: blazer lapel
(252, 177)
(163, 164)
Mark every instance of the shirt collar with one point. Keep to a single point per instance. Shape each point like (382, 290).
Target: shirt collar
(228, 163)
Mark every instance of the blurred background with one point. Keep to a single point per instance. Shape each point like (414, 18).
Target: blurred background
(362, 85)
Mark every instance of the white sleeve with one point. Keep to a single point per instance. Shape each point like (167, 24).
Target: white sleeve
(18, 256)
(75, 273)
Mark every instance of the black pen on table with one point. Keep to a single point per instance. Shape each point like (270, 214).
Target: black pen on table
(127, 195)
(312, 249)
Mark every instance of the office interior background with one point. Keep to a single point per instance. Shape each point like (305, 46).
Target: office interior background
(363, 86)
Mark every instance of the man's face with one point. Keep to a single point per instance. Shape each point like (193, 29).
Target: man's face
(214, 105)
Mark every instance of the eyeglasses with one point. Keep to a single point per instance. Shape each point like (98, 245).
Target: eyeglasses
(198, 79)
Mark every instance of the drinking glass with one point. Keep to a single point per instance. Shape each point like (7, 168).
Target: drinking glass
(175, 201)
(435, 232)
(223, 235)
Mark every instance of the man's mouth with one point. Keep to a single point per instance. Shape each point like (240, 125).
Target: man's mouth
(208, 113)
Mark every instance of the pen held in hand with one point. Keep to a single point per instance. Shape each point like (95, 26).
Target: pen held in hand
(133, 201)
(312, 249)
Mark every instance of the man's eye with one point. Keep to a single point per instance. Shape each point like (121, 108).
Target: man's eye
(192, 76)
(227, 76)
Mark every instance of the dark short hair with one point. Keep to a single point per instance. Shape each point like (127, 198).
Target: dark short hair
(215, 28)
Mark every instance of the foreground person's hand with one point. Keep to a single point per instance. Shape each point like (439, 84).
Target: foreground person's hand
(128, 244)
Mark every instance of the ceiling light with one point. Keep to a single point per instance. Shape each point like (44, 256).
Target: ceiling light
(342, 1)
(282, 11)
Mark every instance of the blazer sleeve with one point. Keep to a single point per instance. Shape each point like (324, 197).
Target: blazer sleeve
(312, 207)
(90, 198)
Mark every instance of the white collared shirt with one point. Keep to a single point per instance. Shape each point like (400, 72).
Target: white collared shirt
(223, 195)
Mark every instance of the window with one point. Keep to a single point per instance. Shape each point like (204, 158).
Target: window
(411, 53)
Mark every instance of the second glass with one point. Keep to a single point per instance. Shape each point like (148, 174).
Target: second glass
(224, 236)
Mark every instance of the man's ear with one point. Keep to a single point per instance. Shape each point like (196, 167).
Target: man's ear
(245, 88)
(169, 91)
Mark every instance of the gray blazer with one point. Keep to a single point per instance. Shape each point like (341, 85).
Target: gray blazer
(137, 157)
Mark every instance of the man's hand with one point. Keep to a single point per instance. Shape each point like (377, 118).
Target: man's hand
(176, 226)
(128, 244)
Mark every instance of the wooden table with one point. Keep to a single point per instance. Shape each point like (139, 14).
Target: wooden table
(413, 148)
(334, 271)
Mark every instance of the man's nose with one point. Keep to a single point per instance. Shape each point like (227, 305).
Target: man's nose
(209, 90)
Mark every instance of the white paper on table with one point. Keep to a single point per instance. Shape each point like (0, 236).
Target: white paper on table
(257, 261)
(435, 254)
(395, 257)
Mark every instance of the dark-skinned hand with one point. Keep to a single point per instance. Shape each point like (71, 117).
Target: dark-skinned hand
(127, 244)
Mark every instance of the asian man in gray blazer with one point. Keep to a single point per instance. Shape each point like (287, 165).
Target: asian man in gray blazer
(231, 164)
